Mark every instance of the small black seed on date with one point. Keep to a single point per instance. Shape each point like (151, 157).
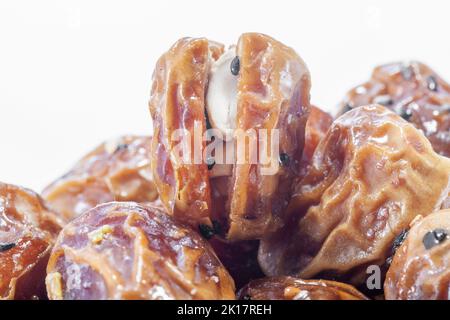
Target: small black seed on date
(433, 238)
(206, 231)
(235, 66)
(6, 246)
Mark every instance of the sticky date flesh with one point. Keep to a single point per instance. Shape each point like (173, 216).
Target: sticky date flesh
(27, 232)
(364, 186)
(420, 269)
(123, 250)
(117, 170)
(289, 288)
(415, 92)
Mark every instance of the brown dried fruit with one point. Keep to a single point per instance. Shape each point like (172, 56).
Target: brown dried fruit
(369, 178)
(27, 231)
(420, 269)
(415, 92)
(317, 126)
(270, 91)
(123, 250)
(288, 288)
(117, 170)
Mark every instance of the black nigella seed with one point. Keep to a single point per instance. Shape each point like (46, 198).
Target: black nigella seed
(235, 66)
(407, 72)
(210, 162)
(399, 240)
(384, 100)
(432, 83)
(206, 231)
(347, 107)
(433, 238)
(122, 146)
(6, 246)
(406, 114)
(284, 159)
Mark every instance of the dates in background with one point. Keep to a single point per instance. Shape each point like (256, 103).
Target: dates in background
(117, 170)
(420, 269)
(27, 232)
(258, 84)
(289, 288)
(415, 92)
(369, 178)
(123, 250)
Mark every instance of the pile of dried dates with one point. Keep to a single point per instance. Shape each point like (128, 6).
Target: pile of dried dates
(246, 190)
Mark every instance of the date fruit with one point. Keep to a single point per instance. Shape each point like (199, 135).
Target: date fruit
(27, 232)
(420, 269)
(259, 87)
(369, 178)
(289, 288)
(117, 170)
(124, 250)
(415, 92)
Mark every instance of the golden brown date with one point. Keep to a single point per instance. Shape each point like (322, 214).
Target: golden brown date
(420, 269)
(289, 288)
(123, 250)
(27, 231)
(369, 178)
(258, 86)
(415, 92)
(317, 126)
(117, 170)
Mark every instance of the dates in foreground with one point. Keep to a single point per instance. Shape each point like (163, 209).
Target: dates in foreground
(369, 178)
(123, 250)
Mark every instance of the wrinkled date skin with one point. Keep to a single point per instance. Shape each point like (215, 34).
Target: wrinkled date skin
(416, 93)
(289, 288)
(123, 250)
(117, 170)
(272, 86)
(420, 269)
(316, 129)
(369, 178)
(27, 232)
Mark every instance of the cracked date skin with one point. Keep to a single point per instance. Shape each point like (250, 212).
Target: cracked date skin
(370, 177)
(420, 269)
(124, 250)
(27, 231)
(415, 92)
(272, 86)
(289, 288)
(117, 170)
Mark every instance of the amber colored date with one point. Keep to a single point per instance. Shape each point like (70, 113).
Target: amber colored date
(27, 232)
(123, 250)
(420, 269)
(364, 186)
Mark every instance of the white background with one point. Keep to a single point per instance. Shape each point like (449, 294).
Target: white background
(73, 73)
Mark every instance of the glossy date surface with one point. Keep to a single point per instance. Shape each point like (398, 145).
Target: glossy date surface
(369, 178)
(27, 231)
(420, 269)
(123, 250)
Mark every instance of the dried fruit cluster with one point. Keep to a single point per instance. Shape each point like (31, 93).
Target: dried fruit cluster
(245, 185)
